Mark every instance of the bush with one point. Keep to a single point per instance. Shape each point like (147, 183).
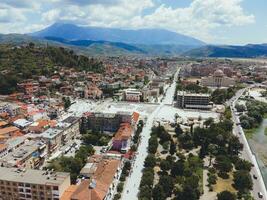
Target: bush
(120, 187)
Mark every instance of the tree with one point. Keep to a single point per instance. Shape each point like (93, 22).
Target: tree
(150, 161)
(240, 107)
(234, 146)
(177, 168)
(178, 130)
(208, 122)
(158, 192)
(223, 164)
(172, 148)
(242, 180)
(167, 184)
(212, 149)
(67, 102)
(241, 164)
(120, 187)
(226, 195)
(165, 165)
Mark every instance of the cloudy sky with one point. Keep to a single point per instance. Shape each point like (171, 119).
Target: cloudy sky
(213, 21)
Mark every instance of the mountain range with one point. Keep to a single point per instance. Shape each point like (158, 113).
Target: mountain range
(95, 41)
(140, 36)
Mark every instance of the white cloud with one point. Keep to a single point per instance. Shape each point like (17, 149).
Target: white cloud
(198, 19)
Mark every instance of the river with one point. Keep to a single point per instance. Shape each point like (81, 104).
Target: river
(258, 144)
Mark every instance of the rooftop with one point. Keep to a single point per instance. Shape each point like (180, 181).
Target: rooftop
(33, 176)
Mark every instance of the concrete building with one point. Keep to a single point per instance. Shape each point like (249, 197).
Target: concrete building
(32, 184)
(29, 155)
(193, 101)
(132, 95)
(122, 138)
(104, 172)
(218, 79)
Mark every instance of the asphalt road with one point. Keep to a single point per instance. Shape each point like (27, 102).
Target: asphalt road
(133, 181)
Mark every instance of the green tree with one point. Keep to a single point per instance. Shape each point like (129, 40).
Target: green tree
(150, 161)
(226, 195)
(172, 148)
(242, 180)
(158, 192)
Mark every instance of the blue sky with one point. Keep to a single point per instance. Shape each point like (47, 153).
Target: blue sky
(213, 21)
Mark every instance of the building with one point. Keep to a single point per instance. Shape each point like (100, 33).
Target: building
(218, 79)
(101, 183)
(132, 95)
(193, 101)
(122, 138)
(29, 155)
(108, 122)
(32, 184)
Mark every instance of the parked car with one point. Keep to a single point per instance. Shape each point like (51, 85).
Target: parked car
(260, 195)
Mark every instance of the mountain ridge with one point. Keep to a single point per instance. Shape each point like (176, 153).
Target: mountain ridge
(139, 36)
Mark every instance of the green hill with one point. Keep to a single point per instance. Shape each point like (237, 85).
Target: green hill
(28, 61)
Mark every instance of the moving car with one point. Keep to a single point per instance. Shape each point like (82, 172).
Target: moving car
(260, 195)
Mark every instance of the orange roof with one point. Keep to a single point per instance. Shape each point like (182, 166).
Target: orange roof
(124, 132)
(7, 130)
(135, 116)
(103, 176)
(3, 123)
(3, 146)
(68, 192)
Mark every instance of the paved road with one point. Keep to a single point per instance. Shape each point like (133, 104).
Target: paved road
(258, 184)
(132, 184)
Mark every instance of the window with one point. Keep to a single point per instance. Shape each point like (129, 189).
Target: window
(55, 187)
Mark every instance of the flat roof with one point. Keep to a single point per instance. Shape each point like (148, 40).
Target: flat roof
(184, 93)
(51, 133)
(32, 176)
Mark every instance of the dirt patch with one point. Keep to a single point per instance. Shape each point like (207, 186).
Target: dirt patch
(224, 184)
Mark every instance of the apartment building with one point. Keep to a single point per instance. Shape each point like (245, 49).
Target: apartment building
(193, 101)
(32, 184)
(132, 95)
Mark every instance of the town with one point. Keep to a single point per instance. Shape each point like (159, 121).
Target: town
(142, 128)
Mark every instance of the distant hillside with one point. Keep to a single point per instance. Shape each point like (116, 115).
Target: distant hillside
(141, 36)
(115, 46)
(22, 62)
(247, 51)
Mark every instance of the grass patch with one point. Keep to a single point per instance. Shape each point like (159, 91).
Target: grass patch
(199, 173)
(265, 131)
(250, 132)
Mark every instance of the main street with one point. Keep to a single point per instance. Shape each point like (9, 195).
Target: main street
(132, 184)
(258, 184)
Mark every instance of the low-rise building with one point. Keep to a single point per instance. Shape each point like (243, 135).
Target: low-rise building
(32, 184)
(193, 101)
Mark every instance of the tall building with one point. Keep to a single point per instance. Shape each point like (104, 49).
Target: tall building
(32, 184)
(218, 79)
(193, 101)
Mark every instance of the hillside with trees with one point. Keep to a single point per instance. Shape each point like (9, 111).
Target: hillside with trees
(29, 61)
